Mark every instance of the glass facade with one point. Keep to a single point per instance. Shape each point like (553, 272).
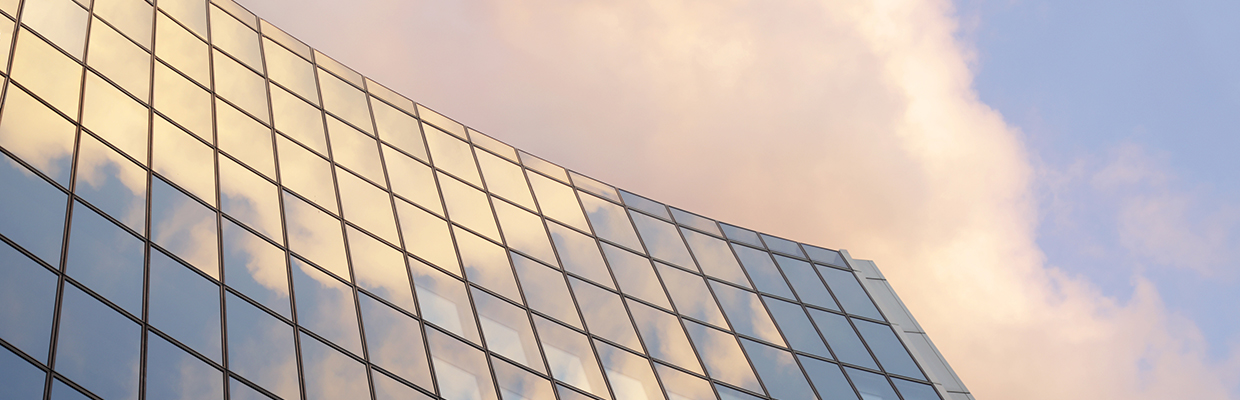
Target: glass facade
(195, 205)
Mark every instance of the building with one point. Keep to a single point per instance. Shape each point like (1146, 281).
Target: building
(170, 212)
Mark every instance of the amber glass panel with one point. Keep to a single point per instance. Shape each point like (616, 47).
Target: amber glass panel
(367, 206)
(120, 60)
(115, 117)
(443, 301)
(290, 71)
(345, 101)
(315, 234)
(441, 121)
(558, 201)
(181, 49)
(284, 38)
(570, 357)
(298, 119)
(183, 102)
(249, 198)
(505, 179)
(184, 227)
(380, 269)
(235, 38)
(452, 155)
(61, 21)
(427, 237)
(244, 138)
(191, 13)
(306, 174)
(723, 357)
(486, 264)
(131, 17)
(184, 160)
(580, 255)
(412, 180)
(355, 150)
(507, 330)
(468, 206)
(545, 290)
(398, 129)
(524, 231)
(241, 86)
(605, 316)
(51, 151)
(630, 375)
(46, 72)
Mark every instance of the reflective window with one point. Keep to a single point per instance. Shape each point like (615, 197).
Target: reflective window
(486, 264)
(6, 36)
(119, 59)
(842, 338)
(545, 290)
(50, 152)
(507, 330)
(173, 374)
(184, 160)
(566, 393)
(34, 211)
(325, 306)
(636, 276)
(915, 391)
(825, 256)
(244, 138)
(298, 119)
(796, 327)
(28, 292)
(630, 375)
(109, 113)
(185, 305)
(183, 102)
(493, 145)
(21, 380)
(645, 205)
(51, 75)
(441, 121)
(443, 301)
(399, 129)
(828, 379)
(783, 246)
(610, 222)
(61, 21)
(887, 348)
(760, 267)
(540, 165)
(190, 12)
(285, 39)
(741, 235)
(315, 235)
(290, 71)
(809, 288)
(682, 386)
(345, 101)
(238, 40)
(385, 94)
(354, 150)
(505, 179)
(691, 296)
(132, 17)
(850, 293)
(112, 183)
(240, 86)
(250, 199)
(427, 237)
(715, 258)
(394, 342)
(306, 174)
(662, 240)
(607, 317)
(663, 336)
(461, 370)
(367, 206)
(260, 349)
(593, 186)
(570, 357)
(412, 180)
(330, 374)
(558, 202)
(695, 222)
(580, 255)
(468, 206)
(241, 391)
(746, 313)
(452, 155)
(184, 227)
(387, 388)
(518, 384)
(97, 347)
(723, 357)
(779, 371)
(181, 49)
(524, 231)
(106, 258)
(328, 64)
(871, 385)
(256, 268)
(237, 11)
(380, 269)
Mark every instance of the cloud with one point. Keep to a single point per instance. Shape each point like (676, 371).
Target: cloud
(849, 124)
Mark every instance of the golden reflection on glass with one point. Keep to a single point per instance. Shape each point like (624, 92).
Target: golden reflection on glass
(131, 17)
(629, 374)
(481, 140)
(306, 173)
(541, 165)
(367, 206)
(337, 68)
(505, 179)
(663, 336)
(191, 13)
(183, 102)
(715, 258)
(298, 119)
(452, 155)
(507, 330)
(662, 240)
(235, 38)
(120, 60)
(461, 370)
(184, 227)
(545, 290)
(486, 264)
(682, 386)
(524, 232)
(412, 180)
(9, 6)
(746, 313)
(240, 86)
(468, 206)
(250, 199)
(394, 341)
(345, 101)
(51, 150)
(723, 357)
(636, 276)
(388, 388)
(115, 117)
(315, 235)
(256, 268)
(444, 301)
(570, 358)
(285, 39)
(184, 160)
(46, 72)
(558, 201)
(112, 183)
(181, 49)
(325, 306)
(518, 384)
(580, 255)
(598, 188)
(6, 41)
(427, 237)
(244, 138)
(606, 316)
(398, 129)
(291, 71)
(355, 150)
(448, 125)
(691, 296)
(393, 98)
(61, 21)
(380, 269)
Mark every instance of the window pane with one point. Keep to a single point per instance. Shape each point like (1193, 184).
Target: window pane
(298, 119)
(184, 160)
(109, 113)
(558, 201)
(715, 258)
(842, 339)
(505, 179)
(664, 337)
(760, 267)
(345, 101)
(636, 275)
(695, 222)
(486, 264)
(181, 49)
(412, 180)
(570, 357)
(809, 288)
(185, 306)
(441, 121)
(828, 379)
(395, 343)
(915, 391)
(723, 357)
(871, 385)
(662, 241)
(524, 231)
(173, 374)
(260, 348)
(120, 60)
(106, 259)
(545, 290)
(354, 150)
(741, 235)
(184, 227)
(325, 306)
(315, 235)
(452, 155)
(594, 187)
(190, 12)
(112, 183)
(256, 268)
(682, 386)
(61, 391)
(306, 174)
(330, 374)
(46, 72)
(606, 317)
(399, 129)
(746, 313)
(825, 256)
(796, 327)
(630, 375)
(495, 146)
(849, 292)
(240, 86)
(244, 138)
(468, 206)
(461, 370)
(380, 268)
(387, 388)
(518, 384)
(249, 198)
(644, 204)
(610, 222)
(34, 211)
(97, 347)
(540, 165)
(367, 206)
(183, 102)
(507, 330)
(235, 38)
(580, 255)
(779, 371)
(783, 246)
(20, 380)
(61, 21)
(443, 301)
(291, 71)
(887, 348)
(691, 296)
(28, 292)
(132, 17)
(427, 237)
(241, 391)
(51, 151)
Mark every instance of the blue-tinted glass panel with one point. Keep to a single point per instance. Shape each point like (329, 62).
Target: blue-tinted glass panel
(746, 313)
(461, 370)
(806, 283)
(779, 371)
(62, 391)
(580, 255)
(524, 231)
(388, 388)
(610, 222)
(691, 296)
(260, 349)
(28, 293)
(18, 378)
(727, 393)
(663, 336)
(662, 241)
(507, 330)
(636, 275)
(545, 290)
(784, 246)
(106, 258)
(256, 268)
(842, 338)
(828, 379)
(891, 354)
(645, 205)
(715, 258)
(825, 256)
(850, 293)
(34, 211)
(605, 314)
(595, 187)
(518, 384)
(330, 374)
(241, 391)
(796, 327)
(630, 375)
(570, 358)
(762, 270)
(741, 235)
(723, 357)
(112, 183)
(694, 221)
(871, 385)
(173, 374)
(443, 301)
(185, 305)
(915, 391)
(184, 227)
(566, 393)
(325, 306)
(97, 347)
(395, 342)
(682, 386)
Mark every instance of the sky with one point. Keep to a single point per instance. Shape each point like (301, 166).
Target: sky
(1048, 185)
